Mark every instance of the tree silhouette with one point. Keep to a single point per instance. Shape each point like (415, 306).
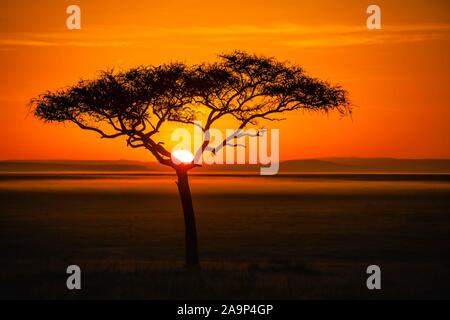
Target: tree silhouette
(135, 104)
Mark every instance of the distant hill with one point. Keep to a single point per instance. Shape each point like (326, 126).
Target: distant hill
(328, 165)
(75, 166)
(376, 165)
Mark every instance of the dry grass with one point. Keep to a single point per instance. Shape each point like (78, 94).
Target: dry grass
(302, 244)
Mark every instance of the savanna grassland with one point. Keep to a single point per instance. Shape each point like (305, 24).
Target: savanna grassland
(291, 236)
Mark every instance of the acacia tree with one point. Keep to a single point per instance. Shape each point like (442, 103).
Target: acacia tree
(137, 103)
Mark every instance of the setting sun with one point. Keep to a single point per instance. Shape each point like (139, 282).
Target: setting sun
(182, 156)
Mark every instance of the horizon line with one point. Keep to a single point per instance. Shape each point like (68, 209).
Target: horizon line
(296, 159)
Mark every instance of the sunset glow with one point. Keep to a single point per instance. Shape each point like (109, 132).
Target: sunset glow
(182, 156)
(397, 77)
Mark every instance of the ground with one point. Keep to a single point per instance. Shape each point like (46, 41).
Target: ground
(297, 237)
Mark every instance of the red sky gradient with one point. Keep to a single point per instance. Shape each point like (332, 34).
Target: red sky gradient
(398, 77)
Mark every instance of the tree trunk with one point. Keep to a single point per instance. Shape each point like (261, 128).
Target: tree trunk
(191, 248)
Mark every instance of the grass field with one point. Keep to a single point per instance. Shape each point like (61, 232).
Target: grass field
(291, 237)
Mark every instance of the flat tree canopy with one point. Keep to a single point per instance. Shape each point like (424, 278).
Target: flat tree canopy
(138, 102)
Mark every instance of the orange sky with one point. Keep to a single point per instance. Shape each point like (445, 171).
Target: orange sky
(397, 77)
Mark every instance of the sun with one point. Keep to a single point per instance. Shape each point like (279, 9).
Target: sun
(182, 156)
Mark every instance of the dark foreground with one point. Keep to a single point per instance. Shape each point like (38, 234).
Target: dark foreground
(297, 237)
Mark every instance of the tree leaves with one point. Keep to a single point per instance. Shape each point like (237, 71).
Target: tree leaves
(136, 103)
